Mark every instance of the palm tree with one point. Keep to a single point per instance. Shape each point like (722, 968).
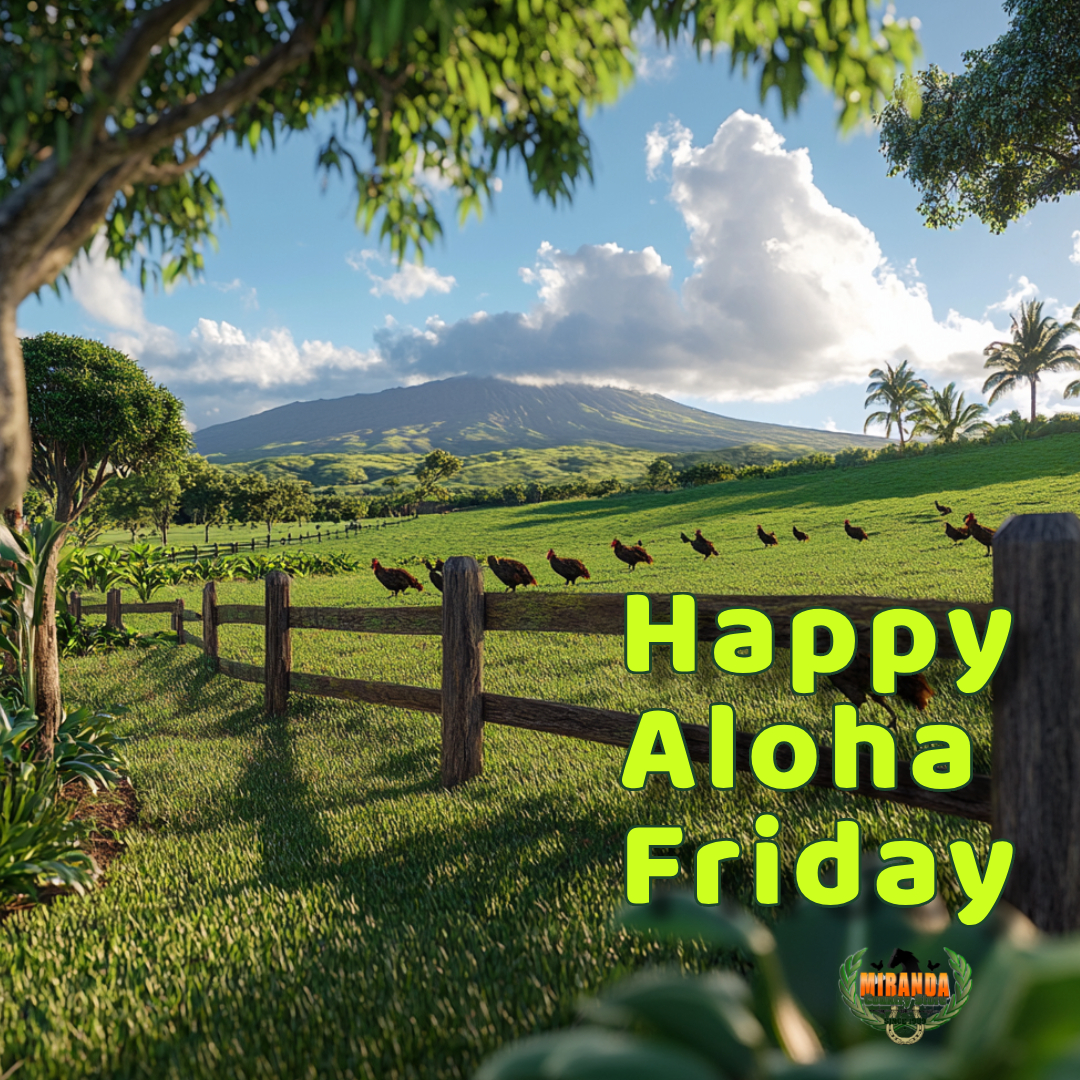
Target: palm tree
(1073, 389)
(946, 418)
(1036, 347)
(901, 391)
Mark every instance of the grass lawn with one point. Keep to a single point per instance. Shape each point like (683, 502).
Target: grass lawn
(301, 899)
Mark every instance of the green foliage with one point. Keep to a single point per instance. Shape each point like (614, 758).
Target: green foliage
(83, 638)
(945, 418)
(89, 748)
(435, 468)
(1002, 136)
(660, 476)
(902, 393)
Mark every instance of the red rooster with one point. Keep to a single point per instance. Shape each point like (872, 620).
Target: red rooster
(699, 544)
(435, 573)
(768, 539)
(943, 510)
(571, 569)
(981, 533)
(799, 534)
(854, 682)
(631, 555)
(510, 572)
(397, 581)
(956, 535)
(854, 531)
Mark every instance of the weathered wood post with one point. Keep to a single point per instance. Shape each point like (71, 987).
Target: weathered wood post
(209, 624)
(216, 550)
(75, 606)
(278, 643)
(1036, 770)
(113, 616)
(178, 621)
(462, 670)
(195, 553)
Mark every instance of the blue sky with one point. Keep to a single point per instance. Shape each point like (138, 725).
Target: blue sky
(724, 256)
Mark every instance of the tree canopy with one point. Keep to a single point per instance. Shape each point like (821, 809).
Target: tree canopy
(110, 109)
(1004, 135)
(902, 393)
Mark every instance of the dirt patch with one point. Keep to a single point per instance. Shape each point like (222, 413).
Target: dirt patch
(111, 812)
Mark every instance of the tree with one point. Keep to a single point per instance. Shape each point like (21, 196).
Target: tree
(110, 110)
(660, 475)
(946, 418)
(94, 415)
(901, 391)
(436, 467)
(1003, 136)
(284, 500)
(207, 493)
(124, 506)
(1037, 346)
(157, 491)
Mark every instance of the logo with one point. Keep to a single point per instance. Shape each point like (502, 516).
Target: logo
(904, 1004)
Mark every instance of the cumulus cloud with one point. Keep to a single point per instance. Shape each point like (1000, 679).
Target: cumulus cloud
(409, 283)
(1022, 291)
(1075, 256)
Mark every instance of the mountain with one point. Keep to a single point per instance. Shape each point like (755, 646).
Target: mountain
(468, 415)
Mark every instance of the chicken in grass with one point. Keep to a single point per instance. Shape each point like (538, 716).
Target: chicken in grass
(943, 510)
(855, 683)
(956, 535)
(435, 573)
(570, 569)
(768, 539)
(799, 534)
(699, 544)
(854, 531)
(631, 555)
(981, 533)
(396, 580)
(510, 572)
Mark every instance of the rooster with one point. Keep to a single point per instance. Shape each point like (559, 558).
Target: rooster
(768, 539)
(854, 531)
(854, 682)
(981, 533)
(631, 555)
(510, 572)
(798, 534)
(943, 510)
(571, 569)
(699, 544)
(397, 581)
(956, 535)
(435, 573)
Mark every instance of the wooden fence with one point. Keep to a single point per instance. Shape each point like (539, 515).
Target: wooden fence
(1033, 799)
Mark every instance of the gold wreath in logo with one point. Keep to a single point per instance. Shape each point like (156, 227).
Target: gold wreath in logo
(849, 981)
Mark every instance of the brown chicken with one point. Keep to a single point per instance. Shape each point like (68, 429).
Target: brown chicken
(699, 544)
(768, 539)
(956, 535)
(854, 531)
(631, 555)
(942, 509)
(981, 533)
(511, 572)
(397, 581)
(571, 569)
(435, 573)
(854, 682)
(799, 534)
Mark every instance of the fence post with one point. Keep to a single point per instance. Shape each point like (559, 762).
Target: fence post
(1036, 757)
(216, 549)
(113, 610)
(178, 621)
(462, 670)
(209, 624)
(278, 643)
(75, 606)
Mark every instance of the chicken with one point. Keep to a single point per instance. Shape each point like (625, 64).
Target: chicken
(571, 569)
(798, 534)
(854, 531)
(981, 533)
(397, 581)
(510, 572)
(435, 573)
(768, 539)
(854, 682)
(956, 535)
(699, 544)
(631, 555)
(942, 509)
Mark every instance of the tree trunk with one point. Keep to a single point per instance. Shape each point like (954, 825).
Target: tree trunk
(14, 421)
(47, 664)
(1033, 400)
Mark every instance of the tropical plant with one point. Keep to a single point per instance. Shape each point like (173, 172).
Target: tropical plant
(945, 417)
(901, 391)
(88, 747)
(1037, 347)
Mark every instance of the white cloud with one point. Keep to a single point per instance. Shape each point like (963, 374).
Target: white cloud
(1023, 290)
(1075, 256)
(99, 286)
(409, 283)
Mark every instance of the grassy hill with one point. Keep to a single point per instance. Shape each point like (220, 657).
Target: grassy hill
(302, 899)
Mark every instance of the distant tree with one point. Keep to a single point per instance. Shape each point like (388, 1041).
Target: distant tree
(946, 418)
(901, 391)
(1037, 346)
(335, 508)
(207, 493)
(94, 415)
(432, 471)
(283, 500)
(248, 494)
(660, 475)
(124, 506)
(159, 490)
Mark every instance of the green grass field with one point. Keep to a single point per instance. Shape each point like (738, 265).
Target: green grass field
(301, 899)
